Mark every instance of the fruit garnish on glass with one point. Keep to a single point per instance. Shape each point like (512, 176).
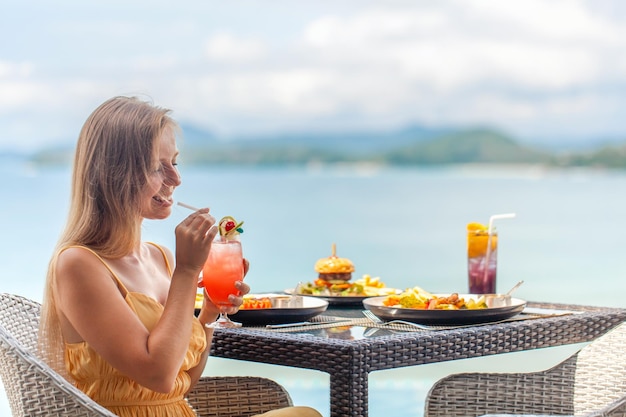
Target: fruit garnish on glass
(229, 228)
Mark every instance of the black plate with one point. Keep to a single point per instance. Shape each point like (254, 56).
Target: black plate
(450, 317)
(337, 300)
(309, 308)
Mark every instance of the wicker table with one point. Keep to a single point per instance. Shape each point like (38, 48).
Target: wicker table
(349, 356)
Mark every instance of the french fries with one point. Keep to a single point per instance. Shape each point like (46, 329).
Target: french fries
(373, 286)
(252, 303)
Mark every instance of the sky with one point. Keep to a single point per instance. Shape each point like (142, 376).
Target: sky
(542, 71)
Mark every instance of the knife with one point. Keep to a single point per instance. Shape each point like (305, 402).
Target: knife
(305, 323)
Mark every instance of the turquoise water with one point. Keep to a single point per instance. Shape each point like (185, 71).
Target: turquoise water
(405, 226)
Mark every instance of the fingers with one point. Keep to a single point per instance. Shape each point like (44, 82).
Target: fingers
(201, 221)
(242, 287)
(237, 300)
(193, 239)
(246, 266)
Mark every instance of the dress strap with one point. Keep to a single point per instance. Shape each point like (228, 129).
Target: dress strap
(120, 285)
(167, 262)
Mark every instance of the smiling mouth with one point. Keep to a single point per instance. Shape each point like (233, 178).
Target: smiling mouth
(163, 200)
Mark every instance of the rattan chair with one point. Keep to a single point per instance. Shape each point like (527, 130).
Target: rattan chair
(34, 389)
(590, 383)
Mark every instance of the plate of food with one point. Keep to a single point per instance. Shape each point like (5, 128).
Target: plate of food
(419, 306)
(262, 309)
(334, 283)
(353, 294)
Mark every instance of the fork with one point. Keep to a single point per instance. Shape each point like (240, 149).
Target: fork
(378, 320)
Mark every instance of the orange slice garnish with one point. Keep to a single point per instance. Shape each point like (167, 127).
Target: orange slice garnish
(477, 238)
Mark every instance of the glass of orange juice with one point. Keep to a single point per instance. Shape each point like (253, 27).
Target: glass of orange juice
(223, 267)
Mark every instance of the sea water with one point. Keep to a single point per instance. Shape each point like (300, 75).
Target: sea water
(406, 226)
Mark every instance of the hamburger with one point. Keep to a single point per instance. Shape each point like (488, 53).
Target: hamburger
(334, 270)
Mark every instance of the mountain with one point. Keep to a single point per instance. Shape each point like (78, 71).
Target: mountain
(194, 136)
(411, 146)
(468, 146)
(609, 156)
(346, 142)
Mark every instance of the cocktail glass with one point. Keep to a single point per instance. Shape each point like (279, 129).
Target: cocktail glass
(222, 268)
(482, 261)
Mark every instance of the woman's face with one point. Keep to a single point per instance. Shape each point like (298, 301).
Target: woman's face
(163, 179)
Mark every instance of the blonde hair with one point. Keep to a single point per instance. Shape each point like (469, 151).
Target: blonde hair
(114, 155)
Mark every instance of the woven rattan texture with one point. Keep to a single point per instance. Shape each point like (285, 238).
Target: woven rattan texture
(349, 362)
(250, 396)
(33, 389)
(590, 383)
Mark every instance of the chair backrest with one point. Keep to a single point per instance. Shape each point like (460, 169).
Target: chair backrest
(32, 387)
(601, 371)
(20, 317)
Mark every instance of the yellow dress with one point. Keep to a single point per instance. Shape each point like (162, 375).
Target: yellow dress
(117, 392)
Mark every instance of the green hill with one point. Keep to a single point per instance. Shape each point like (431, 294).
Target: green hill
(409, 147)
(462, 147)
(606, 157)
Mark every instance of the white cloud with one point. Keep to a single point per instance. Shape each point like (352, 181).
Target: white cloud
(229, 48)
(17, 94)
(525, 66)
(533, 44)
(15, 69)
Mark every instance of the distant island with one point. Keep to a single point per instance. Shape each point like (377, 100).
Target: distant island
(415, 146)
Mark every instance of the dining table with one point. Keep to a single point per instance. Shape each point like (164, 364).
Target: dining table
(344, 343)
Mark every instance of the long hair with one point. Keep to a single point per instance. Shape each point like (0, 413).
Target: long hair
(114, 155)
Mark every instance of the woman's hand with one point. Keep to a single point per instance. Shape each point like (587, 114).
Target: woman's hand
(193, 240)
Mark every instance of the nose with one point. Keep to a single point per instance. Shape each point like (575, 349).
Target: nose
(172, 177)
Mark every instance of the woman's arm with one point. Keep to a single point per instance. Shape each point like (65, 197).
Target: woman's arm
(92, 309)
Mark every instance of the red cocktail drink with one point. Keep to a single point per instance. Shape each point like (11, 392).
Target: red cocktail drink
(223, 267)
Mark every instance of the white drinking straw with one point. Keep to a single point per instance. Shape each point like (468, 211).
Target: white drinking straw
(187, 206)
(489, 232)
(497, 216)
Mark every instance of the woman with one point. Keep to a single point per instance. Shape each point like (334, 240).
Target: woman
(118, 313)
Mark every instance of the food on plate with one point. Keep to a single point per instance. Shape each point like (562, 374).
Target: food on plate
(251, 303)
(334, 279)
(362, 287)
(334, 270)
(263, 301)
(418, 298)
(199, 300)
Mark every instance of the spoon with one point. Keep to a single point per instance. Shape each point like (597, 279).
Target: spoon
(516, 286)
(501, 300)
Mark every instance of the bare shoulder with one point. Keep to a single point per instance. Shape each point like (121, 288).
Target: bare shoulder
(78, 259)
(79, 270)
